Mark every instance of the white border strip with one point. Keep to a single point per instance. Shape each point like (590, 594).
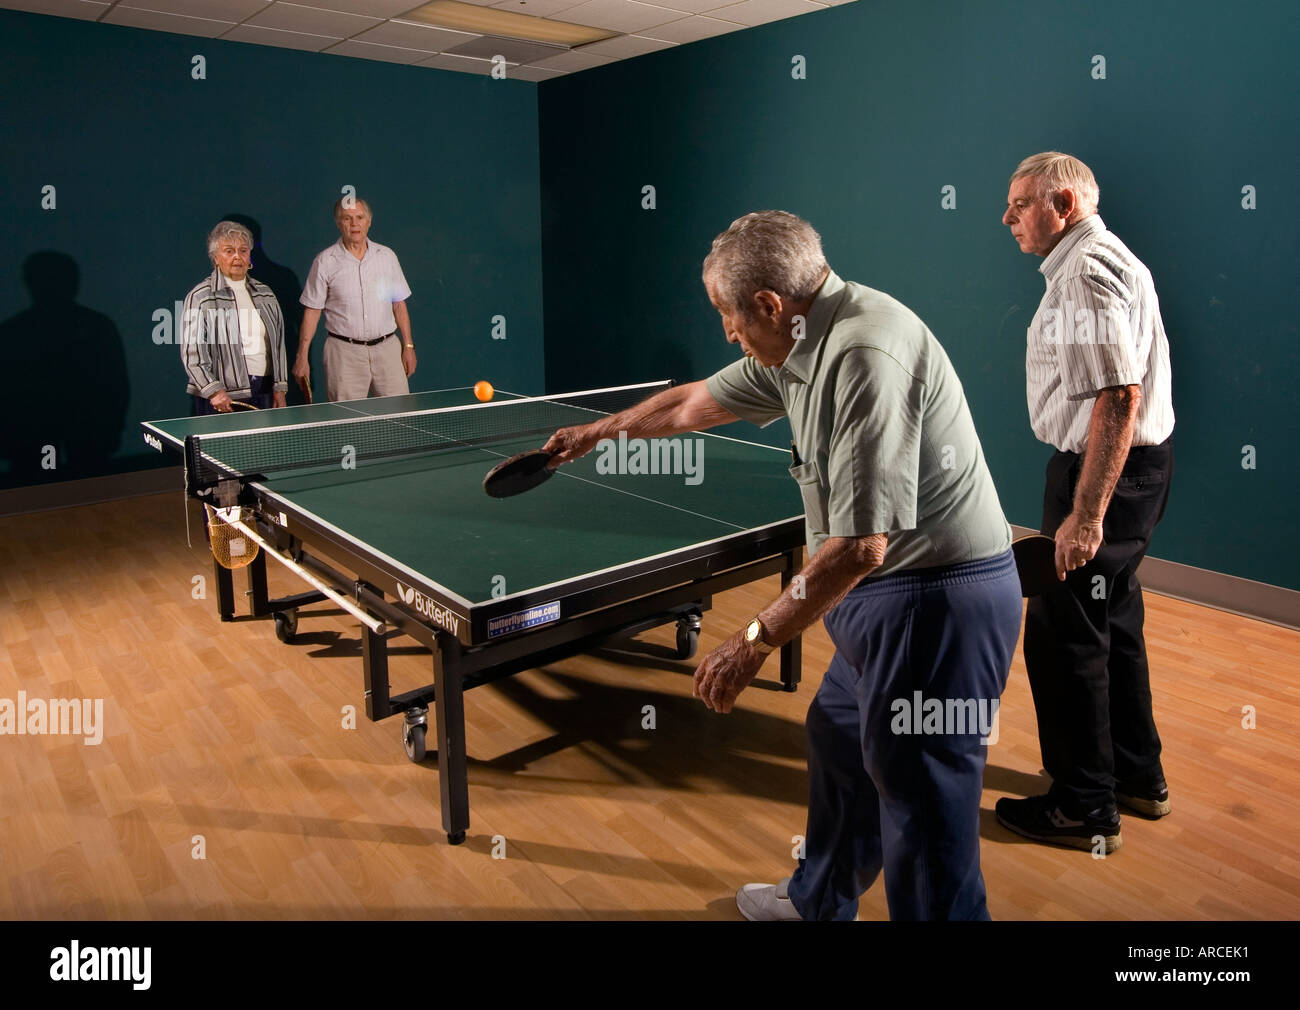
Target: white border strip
(648, 557)
(369, 550)
(428, 412)
(450, 389)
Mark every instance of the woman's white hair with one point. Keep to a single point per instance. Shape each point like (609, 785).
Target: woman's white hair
(223, 231)
(1056, 171)
(768, 250)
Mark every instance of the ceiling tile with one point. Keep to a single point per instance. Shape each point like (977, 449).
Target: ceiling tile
(372, 8)
(312, 21)
(692, 29)
(276, 37)
(693, 6)
(59, 8)
(369, 51)
(572, 61)
(534, 73)
(462, 64)
(618, 15)
(624, 46)
(166, 22)
(217, 10)
(760, 12)
(514, 50)
(413, 36)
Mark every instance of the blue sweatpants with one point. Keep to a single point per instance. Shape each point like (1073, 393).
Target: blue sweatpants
(892, 785)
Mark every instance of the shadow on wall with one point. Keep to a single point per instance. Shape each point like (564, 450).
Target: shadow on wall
(63, 405)
(286, 287)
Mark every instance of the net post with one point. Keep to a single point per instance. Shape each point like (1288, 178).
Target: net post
(191, 459)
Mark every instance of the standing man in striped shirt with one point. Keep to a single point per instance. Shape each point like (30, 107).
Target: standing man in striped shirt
(359, 286)
(1098, 382)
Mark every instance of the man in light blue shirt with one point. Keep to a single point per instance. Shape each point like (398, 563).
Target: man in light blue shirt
(359, 286)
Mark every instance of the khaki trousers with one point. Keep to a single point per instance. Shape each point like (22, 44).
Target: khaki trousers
(353, 372)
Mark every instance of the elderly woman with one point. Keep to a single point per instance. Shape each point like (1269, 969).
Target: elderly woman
(232, 331)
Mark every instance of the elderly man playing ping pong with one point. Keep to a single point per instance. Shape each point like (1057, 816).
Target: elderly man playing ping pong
(909, 563)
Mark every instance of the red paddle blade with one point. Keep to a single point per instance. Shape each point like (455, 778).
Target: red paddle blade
(518, 474)
(1036, 564)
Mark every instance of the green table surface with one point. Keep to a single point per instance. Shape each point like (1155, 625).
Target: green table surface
(428, 513)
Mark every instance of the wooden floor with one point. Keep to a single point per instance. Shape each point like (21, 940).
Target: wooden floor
(221, 731)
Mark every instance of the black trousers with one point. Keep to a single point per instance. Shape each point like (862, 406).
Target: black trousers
(1084, 649)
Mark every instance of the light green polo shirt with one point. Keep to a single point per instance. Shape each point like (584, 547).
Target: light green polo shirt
(884, 440)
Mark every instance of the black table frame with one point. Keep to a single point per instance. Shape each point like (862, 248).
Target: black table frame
(678, 587)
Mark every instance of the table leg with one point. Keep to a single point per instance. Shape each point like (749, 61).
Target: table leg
(257, 586)
(225, 581)
(792, 651)
(374, 662)
(453, 770)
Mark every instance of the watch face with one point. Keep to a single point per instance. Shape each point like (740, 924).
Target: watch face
(753, 630)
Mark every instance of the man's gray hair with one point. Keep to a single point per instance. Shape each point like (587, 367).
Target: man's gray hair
(349, 202)
(223, 231)
(1056, 171)
(768, 250)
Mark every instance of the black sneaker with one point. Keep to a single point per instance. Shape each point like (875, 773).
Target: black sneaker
(1040, 818)
(1151, 802)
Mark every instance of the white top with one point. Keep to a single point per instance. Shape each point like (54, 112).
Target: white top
(252, 331)
(1097, 326)
(357, 295)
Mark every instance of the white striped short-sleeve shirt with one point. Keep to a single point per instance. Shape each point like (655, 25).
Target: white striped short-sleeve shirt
(356, 295)
(1097, 326)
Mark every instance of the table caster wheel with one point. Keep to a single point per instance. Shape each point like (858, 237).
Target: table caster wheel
(413, 741)
(456, 838)
(688, 637)
(286, 625)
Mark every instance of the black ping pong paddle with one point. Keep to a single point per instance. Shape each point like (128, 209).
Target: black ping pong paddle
(518, 474)
(1036, 563)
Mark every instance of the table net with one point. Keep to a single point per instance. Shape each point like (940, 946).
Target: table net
(264, 452)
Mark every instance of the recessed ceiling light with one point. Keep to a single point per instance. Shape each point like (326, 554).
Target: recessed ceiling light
(505, 24)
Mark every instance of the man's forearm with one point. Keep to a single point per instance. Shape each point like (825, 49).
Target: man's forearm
(403, 319)
(672, 412)
(836, 568)
(1110, 434)
(310, 317)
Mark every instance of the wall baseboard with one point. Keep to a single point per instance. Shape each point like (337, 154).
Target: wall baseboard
(1243, 597)
(90, 490)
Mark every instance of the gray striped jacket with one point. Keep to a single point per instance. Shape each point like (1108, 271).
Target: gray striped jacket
(211, 349)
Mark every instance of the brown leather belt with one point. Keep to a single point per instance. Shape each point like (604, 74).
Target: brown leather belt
(363, 343)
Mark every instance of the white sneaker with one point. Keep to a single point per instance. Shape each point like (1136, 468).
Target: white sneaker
(767, 903)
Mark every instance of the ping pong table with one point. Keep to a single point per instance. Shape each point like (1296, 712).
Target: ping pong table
(381, 501)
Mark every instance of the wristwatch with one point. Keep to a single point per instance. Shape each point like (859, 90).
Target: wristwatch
(754, 636)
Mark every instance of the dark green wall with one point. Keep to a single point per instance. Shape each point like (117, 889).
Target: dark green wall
(145, 161)
(903, 98)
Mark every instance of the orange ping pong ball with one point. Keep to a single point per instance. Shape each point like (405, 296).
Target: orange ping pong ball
(484, 391)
